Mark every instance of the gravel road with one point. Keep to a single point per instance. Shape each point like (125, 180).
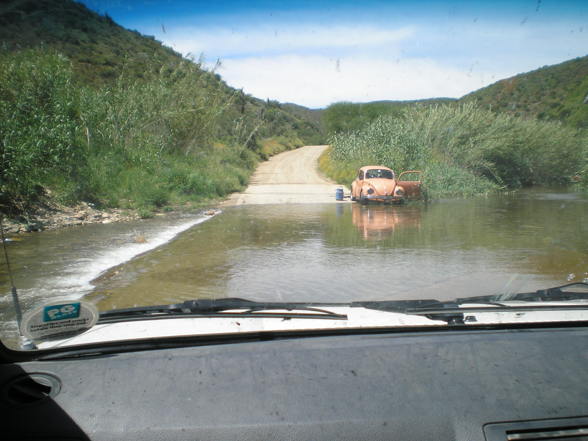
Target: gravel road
(291, 177)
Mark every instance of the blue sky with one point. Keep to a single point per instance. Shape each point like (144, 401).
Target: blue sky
(318, 52)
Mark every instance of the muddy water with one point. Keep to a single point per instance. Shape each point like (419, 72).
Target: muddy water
(330, 252)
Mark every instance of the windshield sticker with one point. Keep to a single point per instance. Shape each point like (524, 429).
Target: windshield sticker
(58, 320)
(61, 312)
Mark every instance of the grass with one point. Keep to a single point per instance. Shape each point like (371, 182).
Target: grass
(463, 150)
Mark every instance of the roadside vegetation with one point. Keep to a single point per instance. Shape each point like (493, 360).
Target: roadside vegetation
(464, 150)
(174, 136)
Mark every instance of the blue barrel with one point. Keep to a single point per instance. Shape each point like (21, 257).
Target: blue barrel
(339, 194)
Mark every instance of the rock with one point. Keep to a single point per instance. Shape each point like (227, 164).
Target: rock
(53, 215)
(34, 226)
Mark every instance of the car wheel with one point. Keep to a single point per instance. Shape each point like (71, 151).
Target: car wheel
(361, 200)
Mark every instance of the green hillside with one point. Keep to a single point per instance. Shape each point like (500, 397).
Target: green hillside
(313, 115)
(558, 93)
(552, 93)
(92, 111)
(99, 48)
(101, 51)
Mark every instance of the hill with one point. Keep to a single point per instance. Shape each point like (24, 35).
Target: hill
(99, 48)
(101, 51)
(314, 115)
(557, 93)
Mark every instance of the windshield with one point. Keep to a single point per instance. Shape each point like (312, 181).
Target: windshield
(155, 153)
(379, 173)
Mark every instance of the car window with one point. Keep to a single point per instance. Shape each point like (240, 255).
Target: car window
(379, 173)
(176, 156)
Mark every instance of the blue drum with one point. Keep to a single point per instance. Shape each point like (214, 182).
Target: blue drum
(339, 194)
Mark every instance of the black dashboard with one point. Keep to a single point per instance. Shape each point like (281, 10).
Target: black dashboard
(453, 385)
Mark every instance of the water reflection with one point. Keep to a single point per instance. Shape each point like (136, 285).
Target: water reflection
(375, 222)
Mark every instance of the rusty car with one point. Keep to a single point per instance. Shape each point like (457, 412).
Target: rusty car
(379, 184)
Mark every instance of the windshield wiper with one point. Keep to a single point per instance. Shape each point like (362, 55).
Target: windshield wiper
(452, 312)
(226, 307)
(570, 291)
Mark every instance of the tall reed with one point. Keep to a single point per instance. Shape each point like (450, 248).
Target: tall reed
(464, 150)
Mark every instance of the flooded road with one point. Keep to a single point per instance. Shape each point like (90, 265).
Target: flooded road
(331, 252)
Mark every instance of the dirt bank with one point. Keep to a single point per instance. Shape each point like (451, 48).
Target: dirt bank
(288, 178)
(51, 216)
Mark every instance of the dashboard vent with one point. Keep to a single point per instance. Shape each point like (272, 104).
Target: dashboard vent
(565, 429)
(32, 388)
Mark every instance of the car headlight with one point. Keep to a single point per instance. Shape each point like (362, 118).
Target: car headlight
(370, 190)
(399, 192)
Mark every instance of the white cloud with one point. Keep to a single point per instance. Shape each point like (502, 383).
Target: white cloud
(316, 65)
(231, 42)
(317, 81)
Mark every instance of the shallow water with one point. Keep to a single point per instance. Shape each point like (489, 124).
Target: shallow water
(335, 252)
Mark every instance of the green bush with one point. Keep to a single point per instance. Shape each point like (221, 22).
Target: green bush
(138, 144)
(464, 150)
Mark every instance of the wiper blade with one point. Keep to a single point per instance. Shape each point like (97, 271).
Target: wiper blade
(564, 293)
(226, 307)
(570, 291)
(432, 309)
(452, 312)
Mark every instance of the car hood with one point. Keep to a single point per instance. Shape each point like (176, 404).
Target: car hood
(381, 186)
(355, 318)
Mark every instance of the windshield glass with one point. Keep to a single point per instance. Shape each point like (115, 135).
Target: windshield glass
(379, 173)
(156, 152)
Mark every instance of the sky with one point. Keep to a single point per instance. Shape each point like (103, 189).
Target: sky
(315, 53)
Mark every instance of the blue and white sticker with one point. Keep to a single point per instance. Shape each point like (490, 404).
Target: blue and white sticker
(52, 313)
(58, 320)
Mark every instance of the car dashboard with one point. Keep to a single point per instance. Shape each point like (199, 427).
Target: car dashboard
(474, 384)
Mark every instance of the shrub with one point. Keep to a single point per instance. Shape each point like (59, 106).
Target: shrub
(38, 123)
(464, 150)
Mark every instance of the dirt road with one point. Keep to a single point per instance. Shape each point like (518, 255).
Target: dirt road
(288, 178)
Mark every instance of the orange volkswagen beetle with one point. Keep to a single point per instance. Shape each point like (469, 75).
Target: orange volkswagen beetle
(380, 184)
